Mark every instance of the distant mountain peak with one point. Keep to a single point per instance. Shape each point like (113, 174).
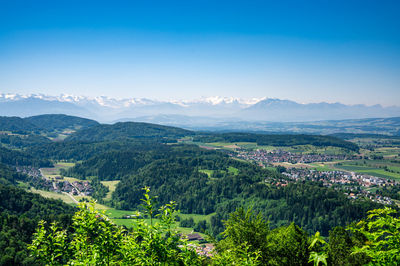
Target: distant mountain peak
(104, 108)
(215, 100)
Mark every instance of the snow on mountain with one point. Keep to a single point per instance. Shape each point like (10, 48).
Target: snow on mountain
(104, 108)
(128, 102)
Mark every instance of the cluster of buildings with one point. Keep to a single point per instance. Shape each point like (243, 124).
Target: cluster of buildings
(29, 171)
(79, 188)
(204, 249)
(56, 184)
(357, 184)
(278, 156)
(367, 194)
(338, 177)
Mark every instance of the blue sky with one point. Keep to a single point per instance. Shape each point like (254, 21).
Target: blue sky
(307, 51)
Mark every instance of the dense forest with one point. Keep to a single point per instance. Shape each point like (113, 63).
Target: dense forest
(20, 213)
(130, 130)
(21, 158)
(60, 122)
(17, 125)
(8, 176)
(44, 123)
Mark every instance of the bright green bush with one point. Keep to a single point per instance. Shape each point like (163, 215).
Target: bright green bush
(96, 240)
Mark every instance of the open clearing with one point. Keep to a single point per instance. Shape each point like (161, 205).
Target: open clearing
(53, 195)
(111, 187)
(55, 171)
(207, 172)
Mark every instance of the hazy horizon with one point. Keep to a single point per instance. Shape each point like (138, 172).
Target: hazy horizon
(215, 99)
(318, 51)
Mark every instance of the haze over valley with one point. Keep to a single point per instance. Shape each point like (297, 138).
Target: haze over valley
(212, 113)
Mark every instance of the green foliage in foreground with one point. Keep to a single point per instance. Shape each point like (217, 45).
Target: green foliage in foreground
(382, 231)
(373, 241)
(249, 234)
(248, 240)
(98, 241)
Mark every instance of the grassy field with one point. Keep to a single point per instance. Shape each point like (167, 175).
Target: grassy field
(379, 168)
(207, 172)
(321, 167)
(196, 217)
(116, 214)
(71, 179)
(55, 171)
(53, 195)
(64, 165)
(129, 223)
(386, 152)
(233, 170)
(111, 186)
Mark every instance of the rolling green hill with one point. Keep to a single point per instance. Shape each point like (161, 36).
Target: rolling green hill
(129, 130)
(17, 125)
(21, 158)
(60, 122)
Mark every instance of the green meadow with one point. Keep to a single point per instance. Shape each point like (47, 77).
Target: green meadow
(379, 168)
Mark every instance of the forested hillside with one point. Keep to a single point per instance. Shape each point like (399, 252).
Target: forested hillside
(22, 158)
(76, 150)
(129, 130)
(17, 125)
(8, 176)
(15, 141)
(60, 122)
(44, 123)
(20, 213)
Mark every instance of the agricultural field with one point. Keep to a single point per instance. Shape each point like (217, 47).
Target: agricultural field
(70, 179)
(323, 167)
(387, 152)
(313, 166)
(55, 171)
(380, 168)
(304, 149)
(53, 195)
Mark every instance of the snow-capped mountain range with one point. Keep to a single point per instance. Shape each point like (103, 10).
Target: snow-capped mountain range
(107, 109)
(122, 103)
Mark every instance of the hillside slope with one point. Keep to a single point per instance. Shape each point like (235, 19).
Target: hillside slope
(60, 122)
(129, 130)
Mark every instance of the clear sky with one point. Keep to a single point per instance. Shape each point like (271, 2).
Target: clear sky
(307, 51)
